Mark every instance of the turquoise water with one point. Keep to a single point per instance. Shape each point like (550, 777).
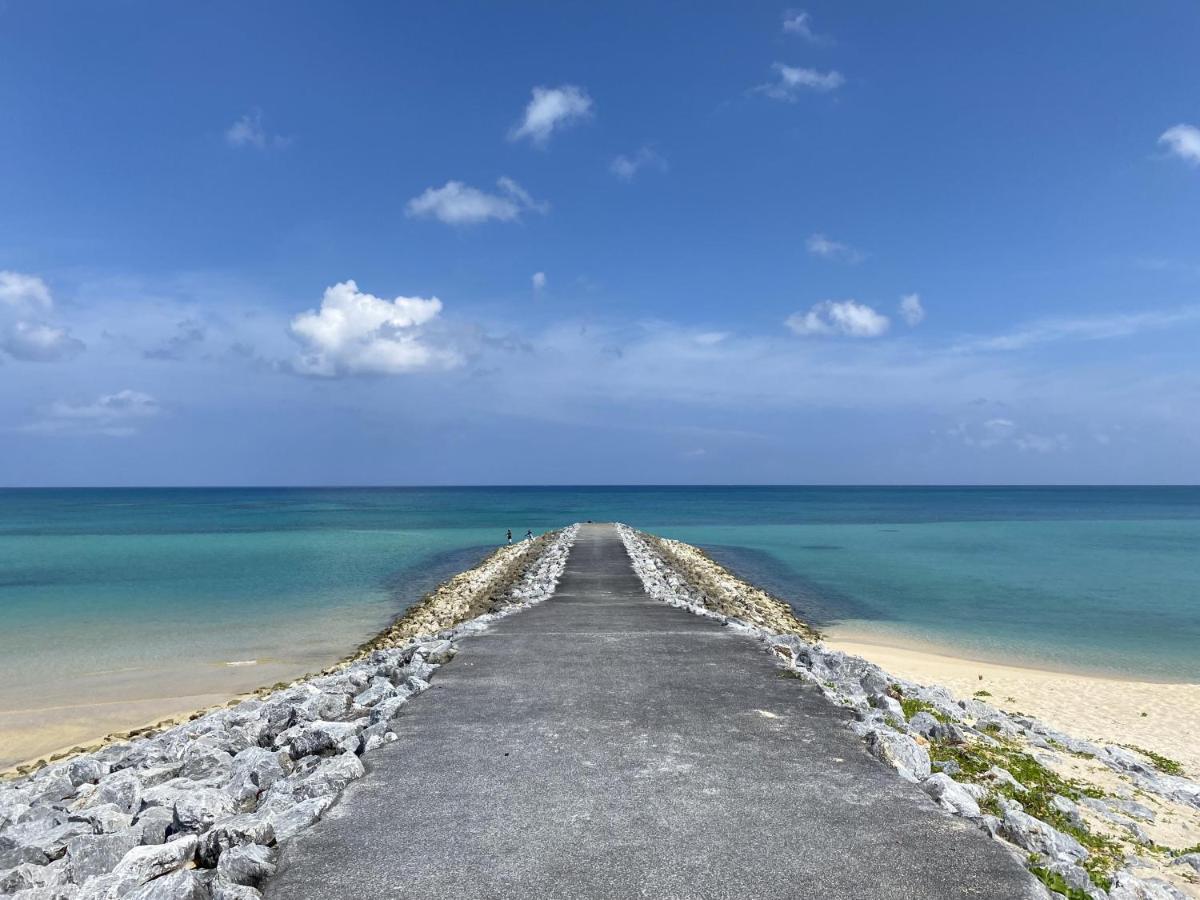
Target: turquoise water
(94, 581)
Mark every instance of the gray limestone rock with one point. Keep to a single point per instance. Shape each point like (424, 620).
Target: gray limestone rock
(901, 752)
(183, 884)
(196, 810)
(247, 864)
(96, 854)
(950, 795)
(1036, 836)
(151, 861)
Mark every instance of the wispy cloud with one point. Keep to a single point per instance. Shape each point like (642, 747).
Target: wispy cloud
(911, 310)
(248, 131)
(1183, 141)
(539, 283)
(1096, 328)
(455, 203)
(820, 245)
(550, 110)
(111, 415)
(793, 81)
(799, 23)
(844, 317)
(356, 333)
(1003, 432)
(626, 167)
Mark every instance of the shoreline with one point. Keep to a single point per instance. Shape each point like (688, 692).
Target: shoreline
(492, 569)
(1095, 707)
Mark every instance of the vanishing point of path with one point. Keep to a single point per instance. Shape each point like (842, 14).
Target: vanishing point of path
(603, 744)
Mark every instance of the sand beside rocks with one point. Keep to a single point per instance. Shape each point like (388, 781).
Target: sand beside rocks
(1087, 706)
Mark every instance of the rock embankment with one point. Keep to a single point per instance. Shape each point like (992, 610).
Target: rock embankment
(197, 812)
(1091, 821)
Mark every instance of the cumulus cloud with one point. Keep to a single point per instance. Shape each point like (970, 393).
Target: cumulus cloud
(26, 330)
(846, 317)
(539, 282)
(357, 333)
(248, 131)
(112, 415)
(24, 292)
(550, 110)
(911, 310)
(455, 203)
(626, 167)
(1183, 141)
(819, 245)
(792, 81)
(799, 23)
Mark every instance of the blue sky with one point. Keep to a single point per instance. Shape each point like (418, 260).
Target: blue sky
(574, 243)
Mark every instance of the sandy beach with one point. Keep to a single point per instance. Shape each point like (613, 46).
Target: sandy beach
(125, 701)
(1163, 717)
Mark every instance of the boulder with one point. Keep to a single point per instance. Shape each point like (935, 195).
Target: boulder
(1036, 836)
(151, 861)
(1129, 887)
(248, 864)
(96, 854)
(997, 775)
(122, 789)
(155, 822)
(950, 795)
(86, 770)
(248, 828)
(329, 778)
(1188, 859)
(196, 810)
(114, 886)
(901, 752)
(183, 884)
(924, 724)
(224, 890)
(288, 819)
(437, 652)
(105, 818)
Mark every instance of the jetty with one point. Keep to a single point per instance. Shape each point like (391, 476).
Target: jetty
(604, 744)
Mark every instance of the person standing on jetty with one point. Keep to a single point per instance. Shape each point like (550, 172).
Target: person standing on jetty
(509, 536)
(529, 534)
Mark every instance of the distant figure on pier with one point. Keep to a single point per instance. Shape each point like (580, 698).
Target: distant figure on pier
(509, 536)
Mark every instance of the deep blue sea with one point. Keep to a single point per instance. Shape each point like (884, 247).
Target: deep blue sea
(155, 581)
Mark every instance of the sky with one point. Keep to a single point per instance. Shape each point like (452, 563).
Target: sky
(540, 243)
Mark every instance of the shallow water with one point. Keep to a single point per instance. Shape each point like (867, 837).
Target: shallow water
(104, 589)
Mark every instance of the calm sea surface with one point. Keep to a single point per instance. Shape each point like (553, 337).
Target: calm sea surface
(154, 580)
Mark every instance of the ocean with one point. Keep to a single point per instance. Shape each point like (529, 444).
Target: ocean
(103, 592)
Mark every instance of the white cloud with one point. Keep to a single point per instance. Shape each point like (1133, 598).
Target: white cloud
(358, 333)
(24, 291)
(38, 342)
(846, 317)
(455, 203)
(25, 332)
(113, 415)
(248, 131)
(819, 245)
(626, 167)
(1095, 328)
(911, 310)
(798, 22)
(1184, 142)
(552, 109)
(710, 338)
(792, 81)
(539, 282)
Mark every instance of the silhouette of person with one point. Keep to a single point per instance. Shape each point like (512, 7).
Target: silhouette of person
(509, 535)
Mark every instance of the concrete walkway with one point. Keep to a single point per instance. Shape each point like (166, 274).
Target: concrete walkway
(606, 745)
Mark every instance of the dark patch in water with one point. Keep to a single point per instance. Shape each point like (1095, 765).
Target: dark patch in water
(819, 605)
(819, 547)
(410, 584)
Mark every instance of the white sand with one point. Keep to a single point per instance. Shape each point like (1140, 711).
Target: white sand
(1162, 717)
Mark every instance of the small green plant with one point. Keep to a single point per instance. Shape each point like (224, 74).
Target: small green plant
(1055, 882)
(912, 706)
(982, 693)
(1164, 764)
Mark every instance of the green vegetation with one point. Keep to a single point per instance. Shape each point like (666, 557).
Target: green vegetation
(983, 693)
(1055, 882)
(1164, 764)
(912, 706)
(1041, 785)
